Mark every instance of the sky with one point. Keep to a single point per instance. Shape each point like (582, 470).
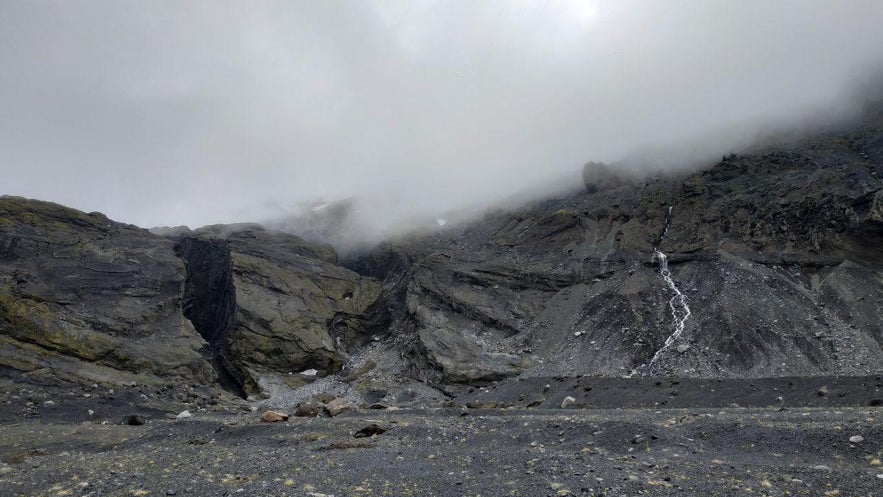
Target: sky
(167, 112)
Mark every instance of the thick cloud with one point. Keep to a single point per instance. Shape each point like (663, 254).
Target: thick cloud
(168, 112)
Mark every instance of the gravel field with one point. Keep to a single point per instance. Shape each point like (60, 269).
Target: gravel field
(615, 452)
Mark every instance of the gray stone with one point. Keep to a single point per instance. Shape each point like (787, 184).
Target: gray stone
(310, 410)
(134, 420)
(371, 430)
(549, 270)
(338, 406)
(86, 299)
(269, 302)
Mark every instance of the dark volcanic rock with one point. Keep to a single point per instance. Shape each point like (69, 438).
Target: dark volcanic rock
(85, 299)
(371, 430)
(762, 265)
(599, 176)
(271, 303)
(777, 255)
(133, 420)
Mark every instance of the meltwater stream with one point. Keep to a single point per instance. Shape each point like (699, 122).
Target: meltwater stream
(680, 310)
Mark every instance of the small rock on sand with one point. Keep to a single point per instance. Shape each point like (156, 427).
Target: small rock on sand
(338, 406)
(134, 420)
(273, 417)
(310, 410)
(369, 431)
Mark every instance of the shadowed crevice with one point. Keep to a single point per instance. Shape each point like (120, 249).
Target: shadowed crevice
(210, 300)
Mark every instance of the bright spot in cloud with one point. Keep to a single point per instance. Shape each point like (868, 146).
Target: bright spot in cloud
(584, 12)
(168, 112)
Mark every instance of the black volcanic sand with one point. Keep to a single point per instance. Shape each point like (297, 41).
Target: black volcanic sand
(224, 449)
(593, 392)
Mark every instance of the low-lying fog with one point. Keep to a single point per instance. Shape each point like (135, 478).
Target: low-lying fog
(167, 113)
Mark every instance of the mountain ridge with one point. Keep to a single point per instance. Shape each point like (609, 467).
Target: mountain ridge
(776, 253)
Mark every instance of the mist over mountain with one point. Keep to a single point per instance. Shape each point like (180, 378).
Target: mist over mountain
(760, 266)
(158, 113)
(637, 244)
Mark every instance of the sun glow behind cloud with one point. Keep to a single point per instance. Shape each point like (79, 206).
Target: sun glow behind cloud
(165, 112)
(584, 12)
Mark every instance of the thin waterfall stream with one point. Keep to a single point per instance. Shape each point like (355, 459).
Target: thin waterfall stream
(680, 310)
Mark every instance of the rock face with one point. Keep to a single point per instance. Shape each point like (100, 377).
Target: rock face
(777, 255)
(269, 302)
(599, 176)
(762, 265)
(88, 300)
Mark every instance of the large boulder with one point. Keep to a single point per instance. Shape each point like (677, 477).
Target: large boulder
(89, 300)
(598, 176)
(271, 303)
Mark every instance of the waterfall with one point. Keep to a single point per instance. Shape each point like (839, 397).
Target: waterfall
(680, 310)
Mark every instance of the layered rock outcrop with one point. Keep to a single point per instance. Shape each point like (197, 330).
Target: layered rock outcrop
(271, 303)
(85, 299)
(777, 253)
(89, 300)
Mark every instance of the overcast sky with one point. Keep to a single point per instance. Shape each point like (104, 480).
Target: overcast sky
(170, 112)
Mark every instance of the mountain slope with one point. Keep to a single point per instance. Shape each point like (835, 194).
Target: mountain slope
(766, 264)
(87, 300)
(777, 254)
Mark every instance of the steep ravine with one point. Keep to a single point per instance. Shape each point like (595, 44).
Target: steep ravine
(272, 305)
(210, 301)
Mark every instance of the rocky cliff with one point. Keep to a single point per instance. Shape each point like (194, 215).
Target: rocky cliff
(272, 304)
(772, 267)
(87, 300)
(766, 264)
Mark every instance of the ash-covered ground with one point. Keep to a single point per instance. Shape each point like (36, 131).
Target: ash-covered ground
(774, 438)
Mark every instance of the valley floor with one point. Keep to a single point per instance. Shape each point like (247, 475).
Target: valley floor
(454, 451)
